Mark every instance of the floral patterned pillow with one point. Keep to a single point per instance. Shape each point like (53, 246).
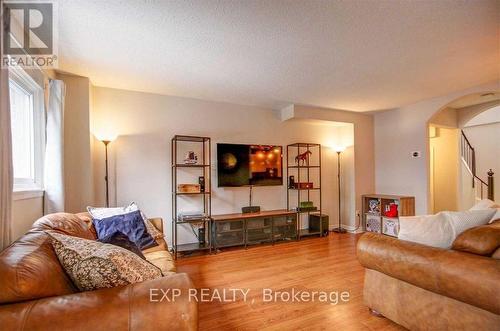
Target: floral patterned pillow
(92, 265)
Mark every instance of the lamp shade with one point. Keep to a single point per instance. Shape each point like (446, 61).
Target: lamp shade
(106, 137)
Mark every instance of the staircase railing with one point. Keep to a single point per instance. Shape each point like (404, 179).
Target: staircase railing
(468, 154)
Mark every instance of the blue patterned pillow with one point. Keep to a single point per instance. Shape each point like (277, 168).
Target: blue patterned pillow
(120, 239)
(131, 224)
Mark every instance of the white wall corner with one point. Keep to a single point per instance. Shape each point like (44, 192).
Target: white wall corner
(287, 113)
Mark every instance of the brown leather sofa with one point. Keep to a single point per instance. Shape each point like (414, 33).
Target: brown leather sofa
(426, 288)
(36, 293)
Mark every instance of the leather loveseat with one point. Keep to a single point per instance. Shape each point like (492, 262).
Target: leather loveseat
(36, 293)
(427, 288)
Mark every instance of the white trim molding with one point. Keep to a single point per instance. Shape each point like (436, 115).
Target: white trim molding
(27, 194)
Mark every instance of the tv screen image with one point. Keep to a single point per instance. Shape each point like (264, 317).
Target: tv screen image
(243, 165)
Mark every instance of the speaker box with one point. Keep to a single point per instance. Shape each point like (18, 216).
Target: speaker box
(250, 209)
(314, 220)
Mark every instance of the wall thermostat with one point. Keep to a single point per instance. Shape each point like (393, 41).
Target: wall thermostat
(415, 154)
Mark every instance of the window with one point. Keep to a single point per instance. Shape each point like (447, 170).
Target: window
(28, 122)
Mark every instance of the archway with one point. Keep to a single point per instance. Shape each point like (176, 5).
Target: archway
(455, 181)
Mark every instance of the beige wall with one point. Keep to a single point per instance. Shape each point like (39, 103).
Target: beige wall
(444, 169)
(363, 150)
(398, 133)
(467, 193)
(24, 213)
(140, 157)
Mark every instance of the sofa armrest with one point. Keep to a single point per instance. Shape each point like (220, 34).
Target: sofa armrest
(120, 308)
(462, 276)
(157, 223)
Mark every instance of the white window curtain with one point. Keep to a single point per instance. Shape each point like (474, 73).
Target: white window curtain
(6, 170)
(54, 151)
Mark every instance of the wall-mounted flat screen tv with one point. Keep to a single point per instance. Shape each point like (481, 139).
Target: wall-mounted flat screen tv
(243, 165)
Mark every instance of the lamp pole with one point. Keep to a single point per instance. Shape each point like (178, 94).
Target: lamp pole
(106, 143)
(339, 229)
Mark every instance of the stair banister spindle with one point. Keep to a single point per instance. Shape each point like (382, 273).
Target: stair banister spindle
(491, 187)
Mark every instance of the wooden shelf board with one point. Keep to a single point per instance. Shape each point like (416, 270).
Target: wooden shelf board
(230, 231)
(386, 196)
(304, 145)
(199, 220)
(307, 232)
(305, 189)
(191, 193)
(239, 216)
(304, 167)
(190, 165)
(192, 247)
(190, 138)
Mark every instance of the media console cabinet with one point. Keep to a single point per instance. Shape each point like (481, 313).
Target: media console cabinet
(253, 228)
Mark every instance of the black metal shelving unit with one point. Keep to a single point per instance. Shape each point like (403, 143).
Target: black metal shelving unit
(204, 169)
(298, 170)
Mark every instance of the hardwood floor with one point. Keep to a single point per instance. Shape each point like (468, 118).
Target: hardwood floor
(315, 264)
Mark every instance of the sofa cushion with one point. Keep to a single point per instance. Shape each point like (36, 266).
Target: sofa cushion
(162, 246)
(163, 260)
(65, 223)
(130, 224)
(496, 255)
(482, 240)
(85, 216)
(93, 265)
(29, 270)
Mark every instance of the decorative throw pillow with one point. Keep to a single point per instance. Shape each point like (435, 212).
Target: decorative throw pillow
(92, 265)
(440, 230)
(464, 220)
(429, 230)
(120, 239)
(496, 216)
(482, 240)
(100, 213)
(130, 224)
(483, 204)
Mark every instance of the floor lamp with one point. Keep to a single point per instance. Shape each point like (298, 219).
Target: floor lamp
(106, 176)
(339, 151)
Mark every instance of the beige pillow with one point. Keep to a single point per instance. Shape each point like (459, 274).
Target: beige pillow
(440, 230)
(464, 220)
(93, 265)
(483, 204)
(429, 230)
(496, 216)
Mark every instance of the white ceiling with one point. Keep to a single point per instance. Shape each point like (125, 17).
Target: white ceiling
(355, 55)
